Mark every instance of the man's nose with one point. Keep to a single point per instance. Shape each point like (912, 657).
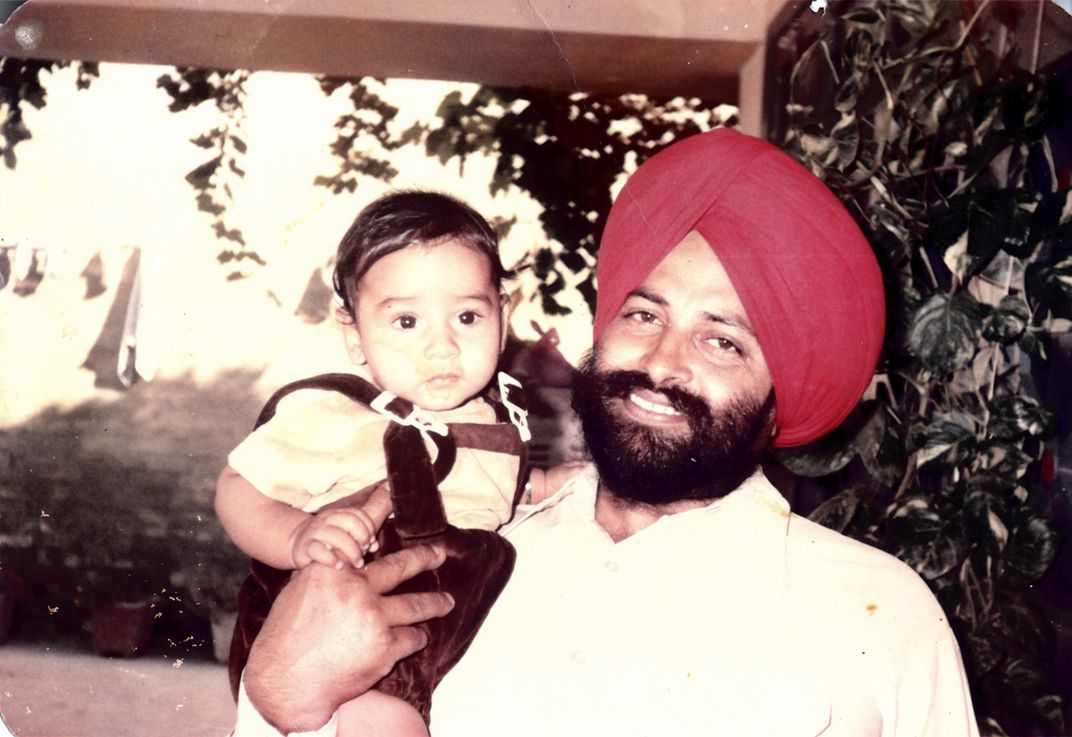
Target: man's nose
(667, 362)
(442, 344)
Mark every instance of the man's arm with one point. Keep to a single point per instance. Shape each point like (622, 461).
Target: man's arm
(333, 634)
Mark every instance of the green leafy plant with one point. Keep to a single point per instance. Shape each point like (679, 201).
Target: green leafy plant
(937, 138)
(20, 84)
(566, 150)
(225, 144)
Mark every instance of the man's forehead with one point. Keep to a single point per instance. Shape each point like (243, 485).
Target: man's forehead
(692, 271)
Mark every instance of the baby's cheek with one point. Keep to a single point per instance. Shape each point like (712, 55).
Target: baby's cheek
(409, 355)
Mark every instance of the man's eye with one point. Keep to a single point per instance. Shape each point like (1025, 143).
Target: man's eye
(406, 322)
(640, 316)
(469, 317)
(723, 344)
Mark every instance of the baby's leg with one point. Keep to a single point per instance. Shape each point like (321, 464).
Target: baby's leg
(375, 714)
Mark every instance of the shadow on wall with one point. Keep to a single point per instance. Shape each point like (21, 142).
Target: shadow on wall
(112, 501)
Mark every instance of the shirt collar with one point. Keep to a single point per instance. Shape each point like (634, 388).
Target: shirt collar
(755, 494)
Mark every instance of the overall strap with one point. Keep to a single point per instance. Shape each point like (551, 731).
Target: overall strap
(363, 392)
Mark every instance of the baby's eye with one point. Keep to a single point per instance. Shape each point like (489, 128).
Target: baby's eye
(469, 317)
(406, 322)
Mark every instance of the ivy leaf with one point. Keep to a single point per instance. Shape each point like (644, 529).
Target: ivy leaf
(1020, 628)
(199, 177)
(204, 141)
(1025, 698)
(922, 538)
(947, 439)
(846, 137)
(944, 332)
(825, 456)
(879, 449)
(862, 15)
(837, 511)
(984, 516)
(1051, 286)
(1008, 320)
(1030, 550)
(1034, 342)
(1016, 415)
(983, 651)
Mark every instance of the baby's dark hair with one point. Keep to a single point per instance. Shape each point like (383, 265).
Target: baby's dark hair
(406, 218)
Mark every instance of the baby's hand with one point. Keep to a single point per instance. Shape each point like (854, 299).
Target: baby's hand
(337, 537)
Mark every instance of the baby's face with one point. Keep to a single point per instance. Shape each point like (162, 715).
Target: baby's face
(430, 324)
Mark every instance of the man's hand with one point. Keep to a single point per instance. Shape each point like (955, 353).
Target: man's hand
(332, 634)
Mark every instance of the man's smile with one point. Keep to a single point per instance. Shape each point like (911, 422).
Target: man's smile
(659, 408)
(650, 408)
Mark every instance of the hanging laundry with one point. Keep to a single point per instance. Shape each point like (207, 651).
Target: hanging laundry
(94, 276)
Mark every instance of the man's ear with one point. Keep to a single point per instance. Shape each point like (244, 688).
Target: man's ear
(352, 337)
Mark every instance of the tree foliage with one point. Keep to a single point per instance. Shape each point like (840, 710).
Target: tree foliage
(225, 146)
(20, 85)
(566, 151)
(938, 140)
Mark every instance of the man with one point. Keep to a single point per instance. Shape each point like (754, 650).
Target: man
(668, 589)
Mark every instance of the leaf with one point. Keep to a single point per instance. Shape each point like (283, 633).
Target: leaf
(1008, 320)
(1012, 416)
(1031, 548)
(948, 439)
(931, 545)
(817, 145)
(204, 141)
(816, 459)
(846, 137)
(944, 333)
(1051, 286)
(984, 516)
(862, 15)
(199, 177)
(1025, 698)
(836, 512)
(880, 449)
(1020, 629)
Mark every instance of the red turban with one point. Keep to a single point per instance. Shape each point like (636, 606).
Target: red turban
(804, 272)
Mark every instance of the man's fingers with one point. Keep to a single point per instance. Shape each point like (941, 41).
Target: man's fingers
(378, 506)
(403, 609)
(408, 640)
(385, 573)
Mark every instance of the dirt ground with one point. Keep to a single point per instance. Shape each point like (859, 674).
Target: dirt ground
(55, 692)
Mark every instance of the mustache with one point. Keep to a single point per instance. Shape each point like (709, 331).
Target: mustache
(620, 384)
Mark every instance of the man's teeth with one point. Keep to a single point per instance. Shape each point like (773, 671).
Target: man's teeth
(662, 409)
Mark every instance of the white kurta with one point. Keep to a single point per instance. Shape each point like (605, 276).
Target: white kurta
(734, 619)
(731, 620)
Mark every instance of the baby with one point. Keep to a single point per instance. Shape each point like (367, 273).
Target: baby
(425, 320)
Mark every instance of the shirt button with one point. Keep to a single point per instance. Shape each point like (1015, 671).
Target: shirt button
(612, 566)
(579, 656)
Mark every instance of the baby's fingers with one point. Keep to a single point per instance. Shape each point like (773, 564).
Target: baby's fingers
(340, 543)
(317, 552)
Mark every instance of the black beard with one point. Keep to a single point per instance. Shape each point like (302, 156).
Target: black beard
(639, 463)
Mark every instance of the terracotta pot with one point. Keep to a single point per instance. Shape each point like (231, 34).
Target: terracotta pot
(122, 628)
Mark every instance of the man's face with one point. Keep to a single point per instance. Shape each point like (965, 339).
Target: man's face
(677, 401)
